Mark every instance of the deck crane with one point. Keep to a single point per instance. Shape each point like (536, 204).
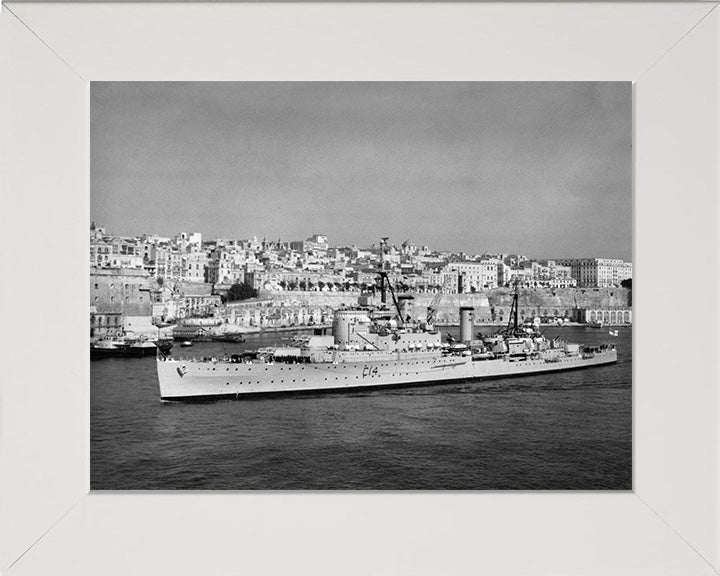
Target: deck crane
(385, 281)
(433, 307)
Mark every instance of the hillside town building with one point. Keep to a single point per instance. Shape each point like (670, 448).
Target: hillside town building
(134, 279)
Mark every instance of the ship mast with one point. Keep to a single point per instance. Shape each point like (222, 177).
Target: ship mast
(383, 274)
(385, 281)
(514, 312)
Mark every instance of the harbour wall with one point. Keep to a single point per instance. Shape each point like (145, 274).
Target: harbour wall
(299, 307)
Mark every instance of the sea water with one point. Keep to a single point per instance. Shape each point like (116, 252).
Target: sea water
(563, 431)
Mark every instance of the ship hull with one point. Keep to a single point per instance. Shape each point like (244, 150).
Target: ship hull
(197, 381)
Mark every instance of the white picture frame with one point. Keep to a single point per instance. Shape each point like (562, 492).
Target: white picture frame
(51, 524)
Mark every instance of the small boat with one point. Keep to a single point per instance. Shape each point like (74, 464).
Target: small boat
(613, 332)
(594, 324)
(107, 348)
(186, 343)
(126, 347)
(231, 338)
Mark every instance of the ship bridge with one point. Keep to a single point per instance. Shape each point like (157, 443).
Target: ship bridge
(364, 329)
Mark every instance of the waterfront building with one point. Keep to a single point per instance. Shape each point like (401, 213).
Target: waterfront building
(606, 316)
(197, 305)
(598, 272)
(121, 297)
(265, 313)
(475, 276)
(105, 324)
(120, 290)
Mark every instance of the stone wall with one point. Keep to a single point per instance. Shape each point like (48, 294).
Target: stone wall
(490, 306)
(301, 298)
(120, 291)
(276, 313)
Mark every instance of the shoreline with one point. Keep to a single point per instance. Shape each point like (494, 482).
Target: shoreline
(275, 329)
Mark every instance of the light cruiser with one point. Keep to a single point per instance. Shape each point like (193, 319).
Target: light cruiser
(376, 347)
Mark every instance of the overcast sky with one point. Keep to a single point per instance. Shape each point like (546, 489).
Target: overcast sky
(542, 169)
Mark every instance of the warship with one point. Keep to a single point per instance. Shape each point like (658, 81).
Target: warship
(374, 346)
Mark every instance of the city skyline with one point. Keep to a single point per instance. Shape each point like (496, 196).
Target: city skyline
(367, 245)
(540, 169)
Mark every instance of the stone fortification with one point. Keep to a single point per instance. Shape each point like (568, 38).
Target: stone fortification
(121, 291)
(490, 306)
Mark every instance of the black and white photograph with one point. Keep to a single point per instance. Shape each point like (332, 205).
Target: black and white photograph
(361, 285)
